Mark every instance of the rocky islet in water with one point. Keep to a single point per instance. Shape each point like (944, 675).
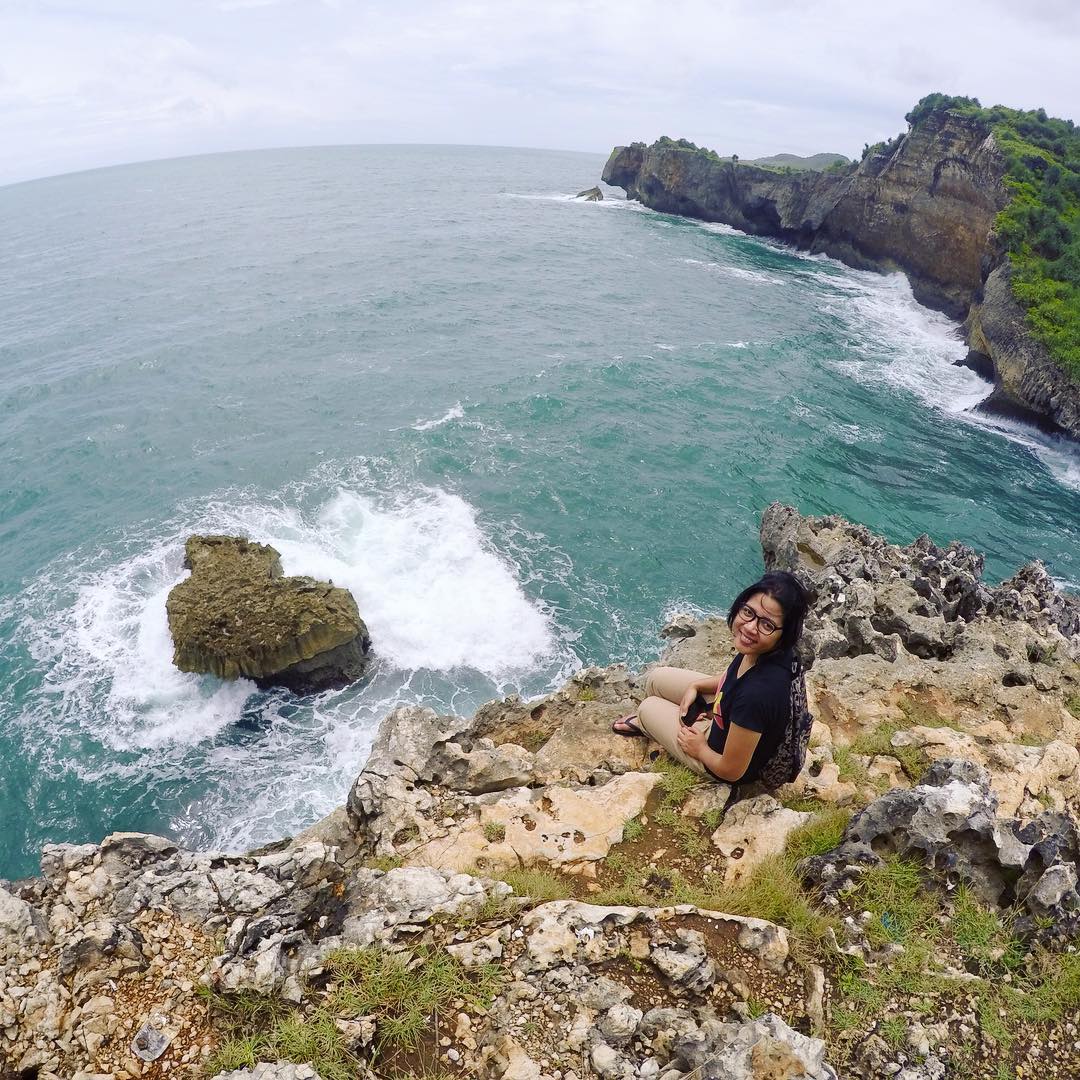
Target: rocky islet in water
(947, 709)
(237, 615)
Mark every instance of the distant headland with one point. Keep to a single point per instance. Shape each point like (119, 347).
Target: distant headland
(979, 207)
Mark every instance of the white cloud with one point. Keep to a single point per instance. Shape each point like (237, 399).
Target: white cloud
(112, 80)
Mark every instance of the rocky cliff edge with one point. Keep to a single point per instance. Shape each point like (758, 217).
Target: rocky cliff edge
(522, 894)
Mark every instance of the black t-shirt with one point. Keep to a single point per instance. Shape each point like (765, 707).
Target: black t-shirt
(759, 701)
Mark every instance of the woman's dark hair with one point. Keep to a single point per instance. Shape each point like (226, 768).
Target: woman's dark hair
(789, 593)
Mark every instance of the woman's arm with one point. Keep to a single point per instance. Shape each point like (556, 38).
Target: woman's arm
(733, 762)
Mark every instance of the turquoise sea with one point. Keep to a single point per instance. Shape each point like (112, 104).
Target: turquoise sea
(520, 428)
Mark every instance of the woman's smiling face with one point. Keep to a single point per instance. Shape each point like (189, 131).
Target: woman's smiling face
(751, 638)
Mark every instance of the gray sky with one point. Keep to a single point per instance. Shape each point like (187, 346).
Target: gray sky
(99, 82)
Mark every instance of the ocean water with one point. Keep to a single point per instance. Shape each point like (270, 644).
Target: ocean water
(521, 428)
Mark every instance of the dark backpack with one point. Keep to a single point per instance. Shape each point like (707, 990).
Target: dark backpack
(787, 762)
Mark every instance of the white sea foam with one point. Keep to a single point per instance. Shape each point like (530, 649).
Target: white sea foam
(721, 229)
(852, 434)
(456, 412)
(737, 272)
(448, 613)
(902, 343)
(433, 590)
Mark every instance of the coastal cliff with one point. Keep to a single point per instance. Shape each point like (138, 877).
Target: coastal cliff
(925, 204)
(522, 894)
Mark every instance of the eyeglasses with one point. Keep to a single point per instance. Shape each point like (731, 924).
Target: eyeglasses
(765, 624)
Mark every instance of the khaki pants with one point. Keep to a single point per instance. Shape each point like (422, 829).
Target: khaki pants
(658, 715)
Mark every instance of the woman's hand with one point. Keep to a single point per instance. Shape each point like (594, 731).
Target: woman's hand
(692, 742)
(688, 699)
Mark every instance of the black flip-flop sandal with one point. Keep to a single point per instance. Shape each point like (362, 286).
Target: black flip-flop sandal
(633, 732)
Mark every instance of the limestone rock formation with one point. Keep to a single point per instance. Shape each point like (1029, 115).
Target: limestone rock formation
(977, 686)
(924, 204)
(593, 194)
(949, 823)
(237, 615)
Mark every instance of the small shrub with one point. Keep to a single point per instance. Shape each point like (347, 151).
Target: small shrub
(1041, 652)
(894, 1031)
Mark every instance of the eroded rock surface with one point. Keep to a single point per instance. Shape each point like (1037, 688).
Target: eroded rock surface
(949, 823)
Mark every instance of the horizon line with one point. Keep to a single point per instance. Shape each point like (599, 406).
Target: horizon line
(305, 146)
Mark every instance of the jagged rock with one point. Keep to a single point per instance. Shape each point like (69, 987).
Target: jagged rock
(393, 805)
(949, 823)
(1030, 596)
(761, 1049)
(237, 615)
(20, 925)
(868, 593)
(680, 625)
(593, 194)
(686, 962)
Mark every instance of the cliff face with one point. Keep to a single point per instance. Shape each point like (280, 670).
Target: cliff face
(924, 205)
(1023, 370)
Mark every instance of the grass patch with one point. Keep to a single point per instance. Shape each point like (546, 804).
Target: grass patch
(755, 1007)
(494, 832)
(774, 892)
(384, 862)
(586, 693)
(848, 767)
(406, 993)
(540, 885)
(1072, 703)
(819, 835)
(633, 831)
(676, 781)
(895, 893)
(879, 742)
(687, 834)
(805, 804)
(894, 1031)
(923, 714)
(984, 937)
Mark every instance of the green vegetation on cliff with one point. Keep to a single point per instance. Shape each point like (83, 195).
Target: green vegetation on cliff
(1040, 227)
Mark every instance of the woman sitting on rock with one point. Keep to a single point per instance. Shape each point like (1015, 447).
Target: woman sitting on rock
(729, 726)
